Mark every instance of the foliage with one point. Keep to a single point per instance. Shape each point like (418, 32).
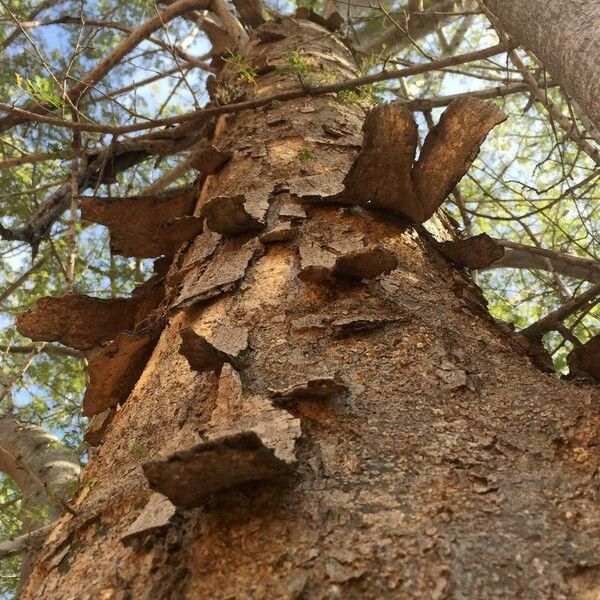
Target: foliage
(246, 72)
(40, 89)
(306, 155)
(295, 64)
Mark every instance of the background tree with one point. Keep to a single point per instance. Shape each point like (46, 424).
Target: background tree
(117, 100)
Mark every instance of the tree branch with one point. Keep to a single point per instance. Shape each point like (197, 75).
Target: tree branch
(417, 27)
(50, 349)
(102, 167)
(424, 104)
(113, 59)
(25, 542)
(20, 280)
(333, 88)
(556, 317)
(522, 256)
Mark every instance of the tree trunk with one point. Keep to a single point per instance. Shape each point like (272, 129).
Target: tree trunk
(434, 459)
(46, 472)
(565, 37)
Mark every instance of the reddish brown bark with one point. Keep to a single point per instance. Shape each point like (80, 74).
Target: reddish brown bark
(434, 461)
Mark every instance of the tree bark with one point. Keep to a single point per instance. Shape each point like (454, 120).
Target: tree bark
(565, 36)
(434, 460)
(45, 471)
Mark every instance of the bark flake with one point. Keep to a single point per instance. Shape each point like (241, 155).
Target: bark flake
(114, 369)
(134, 222)
(187, 477)
(477, 252)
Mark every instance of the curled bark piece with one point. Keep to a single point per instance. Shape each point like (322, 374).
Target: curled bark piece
(381, 175)
(98, 427)
(114, 370)
(78, 321)
(368, 263)
(175, 232)
(210, 160)
(187, 477)
(133, 222)
(222, 273)
(155, 517)
(586, 358)
(231, 215)
(451, 147)
(384, 176)
(477, 252)
(207, 350)
(319, 264)
(318, 388)
(235, 412)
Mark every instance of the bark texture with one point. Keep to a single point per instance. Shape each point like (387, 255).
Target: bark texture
(433, 460)
(565, 36)
(45, 471)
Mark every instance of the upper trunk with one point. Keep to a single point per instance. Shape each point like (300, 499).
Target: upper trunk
(433, 459)
(565, 37)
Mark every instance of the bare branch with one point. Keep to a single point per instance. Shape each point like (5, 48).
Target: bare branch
(521, 256)
(25, 542)
(50, 349)
(553, 319)
(418, 26)
(205, 113)
(424, 104)
(113, 59)
(17, 283)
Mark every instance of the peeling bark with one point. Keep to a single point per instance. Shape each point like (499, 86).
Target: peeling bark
(382, 173)
(232, 215)
(446, 465)
(80, 321)
(477, 252)
(384, 176)
(221, 275)
(114, 369)
(186, 478)
(208, 348)
(450, 147)
(154, 518)
(135, 222)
